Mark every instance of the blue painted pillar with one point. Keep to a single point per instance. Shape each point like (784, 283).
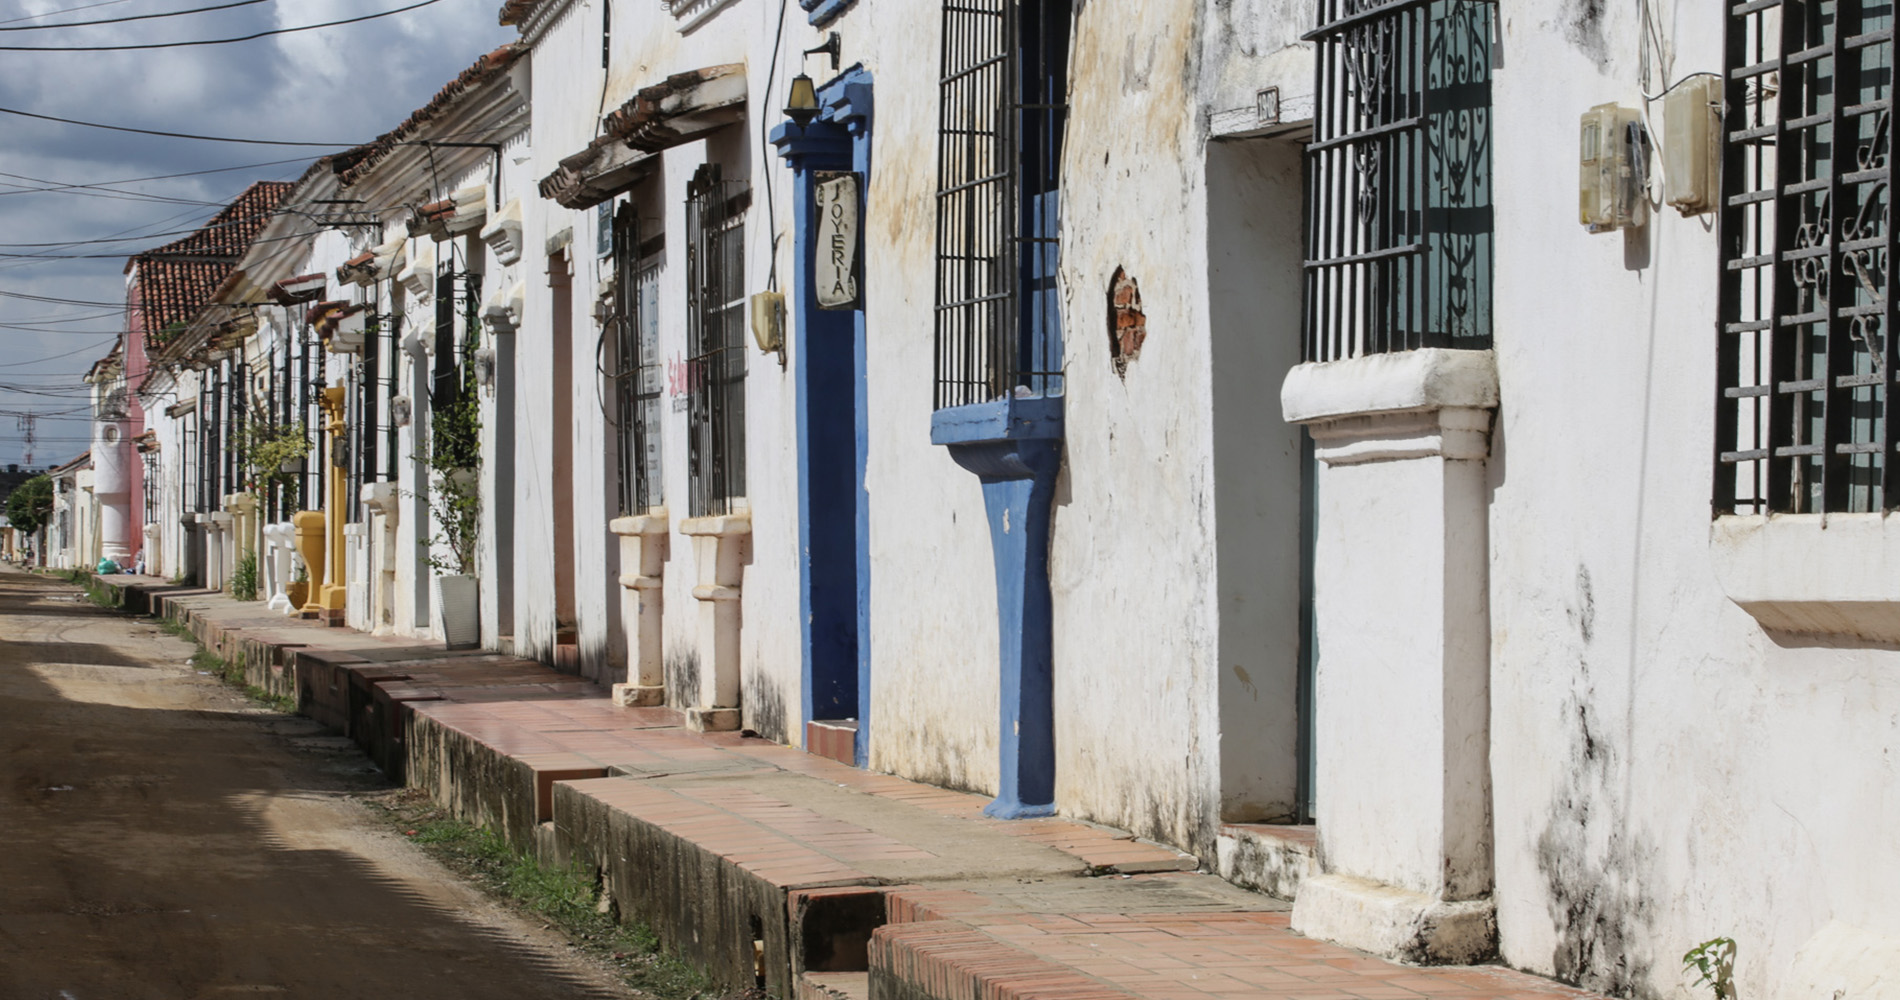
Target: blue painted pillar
(828, 361)
(1014, 445)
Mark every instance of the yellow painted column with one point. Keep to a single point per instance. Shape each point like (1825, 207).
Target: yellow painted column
(308, 525)
(336, 505)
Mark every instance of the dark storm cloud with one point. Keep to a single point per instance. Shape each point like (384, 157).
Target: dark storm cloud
(339, 84)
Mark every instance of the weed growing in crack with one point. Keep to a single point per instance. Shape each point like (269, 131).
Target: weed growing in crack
(569, 899)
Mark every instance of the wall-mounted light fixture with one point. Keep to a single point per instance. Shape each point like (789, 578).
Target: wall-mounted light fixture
(801, 105)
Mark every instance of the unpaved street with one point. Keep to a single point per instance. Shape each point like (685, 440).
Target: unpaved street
(162, 837)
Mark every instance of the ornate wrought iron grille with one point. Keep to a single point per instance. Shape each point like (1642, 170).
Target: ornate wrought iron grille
(637, 372)
(1399, 244)
(715, 285)
(1805, 359)
(1002, 106)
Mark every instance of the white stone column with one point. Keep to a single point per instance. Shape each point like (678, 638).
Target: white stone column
(1402, 627)
(644, 544)
(356, 574)
(215, 529)
(721, 546)
(279, 548)
(112, 487)
(153, 535)
(382, 508)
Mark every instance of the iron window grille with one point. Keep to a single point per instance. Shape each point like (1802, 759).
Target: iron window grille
(149, 485)
(1002, 106)
(715, 283)
(1399, 226)
(637, 373)
(1804, 360)
(454, 373)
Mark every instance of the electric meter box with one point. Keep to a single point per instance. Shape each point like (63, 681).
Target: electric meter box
(1613, 161)
(1692, 145)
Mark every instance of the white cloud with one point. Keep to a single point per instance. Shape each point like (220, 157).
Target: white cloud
(349, 83)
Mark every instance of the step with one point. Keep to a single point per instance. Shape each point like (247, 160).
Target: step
(833, 739)
(1266, 857)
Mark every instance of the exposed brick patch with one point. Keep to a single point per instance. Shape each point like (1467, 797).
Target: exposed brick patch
(1127, 324)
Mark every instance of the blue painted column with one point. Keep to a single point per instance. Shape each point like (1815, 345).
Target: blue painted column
(828, 360)
(1014, 445)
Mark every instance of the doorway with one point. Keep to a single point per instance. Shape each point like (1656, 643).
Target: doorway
(1262, 480)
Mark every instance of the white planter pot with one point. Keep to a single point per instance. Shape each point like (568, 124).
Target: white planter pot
(459, 598)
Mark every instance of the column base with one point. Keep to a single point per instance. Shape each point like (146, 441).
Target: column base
(639, 695)
(712, 720)
(1394, 923)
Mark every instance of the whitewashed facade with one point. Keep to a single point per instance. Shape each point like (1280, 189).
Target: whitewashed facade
(1462, 601)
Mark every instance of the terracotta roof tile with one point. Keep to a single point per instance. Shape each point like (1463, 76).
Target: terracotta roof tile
(179, 278)
(517, 11)
(352, 165)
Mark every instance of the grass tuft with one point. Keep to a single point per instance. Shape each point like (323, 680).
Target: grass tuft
(568, 898)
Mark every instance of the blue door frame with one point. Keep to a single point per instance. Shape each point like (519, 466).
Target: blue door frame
(828, 362)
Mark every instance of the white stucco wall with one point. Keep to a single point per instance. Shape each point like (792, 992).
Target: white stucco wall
(1665, 771)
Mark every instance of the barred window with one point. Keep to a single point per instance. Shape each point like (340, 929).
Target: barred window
(1002, 106)
(638, 374)
(715, 283)
(1804, 358)
(1399, 228)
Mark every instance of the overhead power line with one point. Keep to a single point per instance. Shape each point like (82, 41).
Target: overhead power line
(179, 135)
(4, 295)
(133, 17)
(57, 185)
(215, 41)
(65, 10)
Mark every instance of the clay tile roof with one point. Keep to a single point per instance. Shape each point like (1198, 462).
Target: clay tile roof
(176, 280)
(517, 11)
(351, 166)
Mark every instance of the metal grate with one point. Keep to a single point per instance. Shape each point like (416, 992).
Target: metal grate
(1804, 362)
(715, 283)
(637, 372)
(1002, 106)
(149, 485)
(1399, 227)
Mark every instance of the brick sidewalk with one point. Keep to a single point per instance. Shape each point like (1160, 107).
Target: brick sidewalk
(759, 862)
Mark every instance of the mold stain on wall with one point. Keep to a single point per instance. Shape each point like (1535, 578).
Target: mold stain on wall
(1593, 864)
(682, 676)
(764, 705)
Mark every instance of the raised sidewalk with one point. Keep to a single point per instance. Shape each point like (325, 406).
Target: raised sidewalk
(764, 865)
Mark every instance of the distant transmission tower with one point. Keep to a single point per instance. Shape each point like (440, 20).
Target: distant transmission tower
(26, 429)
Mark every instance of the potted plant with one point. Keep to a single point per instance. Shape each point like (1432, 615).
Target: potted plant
(455, 503)
(298, 589)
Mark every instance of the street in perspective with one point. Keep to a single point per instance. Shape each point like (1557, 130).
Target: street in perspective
(949, 499)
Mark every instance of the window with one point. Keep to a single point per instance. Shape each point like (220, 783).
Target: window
(638, 374)
(151, 482)
(1002, 105)
(715, 288)
(1804, 362)
(1399, 230)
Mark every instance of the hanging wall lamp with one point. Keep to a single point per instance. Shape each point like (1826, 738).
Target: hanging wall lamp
(801, 105)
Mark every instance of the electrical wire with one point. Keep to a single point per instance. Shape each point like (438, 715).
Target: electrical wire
(65, 10)
(133, 17)
(215, 41)
(4, 294)
(180, 135)
(57, 185)
(771, 213)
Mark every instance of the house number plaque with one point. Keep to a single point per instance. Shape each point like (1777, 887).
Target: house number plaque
(835, 274)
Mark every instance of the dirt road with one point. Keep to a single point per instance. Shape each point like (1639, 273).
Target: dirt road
(163, 837)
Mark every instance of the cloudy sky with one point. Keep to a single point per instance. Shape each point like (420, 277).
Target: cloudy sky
(342, 84)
